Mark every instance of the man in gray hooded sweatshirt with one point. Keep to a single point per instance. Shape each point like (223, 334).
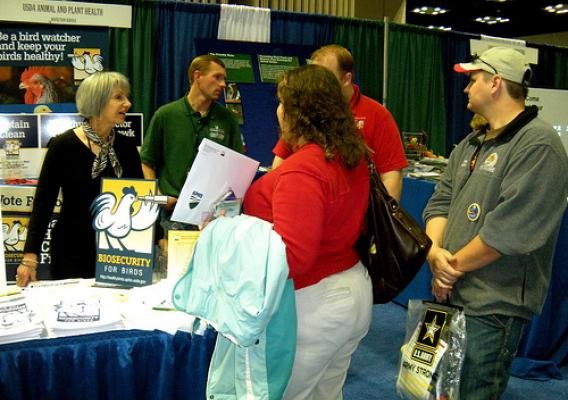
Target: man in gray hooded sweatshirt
(494, 219)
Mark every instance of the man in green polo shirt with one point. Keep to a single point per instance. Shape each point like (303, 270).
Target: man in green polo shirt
(177, 128)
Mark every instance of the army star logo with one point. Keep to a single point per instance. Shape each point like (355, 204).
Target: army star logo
(431, 329)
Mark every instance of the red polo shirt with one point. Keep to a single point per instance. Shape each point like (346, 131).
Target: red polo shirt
(379, 130)
(317, 207)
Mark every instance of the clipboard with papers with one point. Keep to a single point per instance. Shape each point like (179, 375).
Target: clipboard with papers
(216, 172)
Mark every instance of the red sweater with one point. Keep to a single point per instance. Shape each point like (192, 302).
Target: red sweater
(317, 206)
(379, 131)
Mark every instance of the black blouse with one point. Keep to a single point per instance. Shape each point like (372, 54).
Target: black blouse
(67, 166)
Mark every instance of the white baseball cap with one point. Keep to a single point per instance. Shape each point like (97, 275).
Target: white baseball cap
(504, 61)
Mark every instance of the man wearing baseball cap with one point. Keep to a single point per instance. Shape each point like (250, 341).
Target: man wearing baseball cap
(494, 219)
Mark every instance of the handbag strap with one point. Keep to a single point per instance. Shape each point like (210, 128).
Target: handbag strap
(375, 179)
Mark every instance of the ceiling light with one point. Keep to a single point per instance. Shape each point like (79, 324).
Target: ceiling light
(441, 28)
(424, 10)
(492, 20)
(557, 9)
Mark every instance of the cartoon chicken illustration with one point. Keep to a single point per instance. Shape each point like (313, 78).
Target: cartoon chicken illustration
(117, 223)
(88, 62)
(14, 234)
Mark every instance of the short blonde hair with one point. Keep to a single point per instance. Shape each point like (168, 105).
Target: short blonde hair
(95, 91)
(203, 64)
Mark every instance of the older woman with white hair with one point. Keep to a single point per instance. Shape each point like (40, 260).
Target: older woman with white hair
(75, 162)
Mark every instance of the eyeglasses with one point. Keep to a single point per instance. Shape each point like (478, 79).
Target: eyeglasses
(478, 58)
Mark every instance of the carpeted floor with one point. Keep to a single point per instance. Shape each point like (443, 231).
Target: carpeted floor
(374, 366)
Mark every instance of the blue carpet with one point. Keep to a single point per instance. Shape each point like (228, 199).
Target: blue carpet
(374, 366)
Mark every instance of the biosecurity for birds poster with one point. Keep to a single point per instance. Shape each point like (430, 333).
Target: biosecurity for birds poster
(123, 218)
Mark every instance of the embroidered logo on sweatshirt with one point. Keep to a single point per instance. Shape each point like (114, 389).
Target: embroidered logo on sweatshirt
(489, 163)
(216, 132)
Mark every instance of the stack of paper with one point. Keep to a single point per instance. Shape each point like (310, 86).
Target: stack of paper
(18, 320)
(75, 307)
(77, 315)
(180, 252)
(150, 307)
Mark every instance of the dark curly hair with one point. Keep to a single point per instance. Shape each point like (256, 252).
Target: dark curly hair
(316, 110)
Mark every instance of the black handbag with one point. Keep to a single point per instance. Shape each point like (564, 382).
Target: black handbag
(393, 245)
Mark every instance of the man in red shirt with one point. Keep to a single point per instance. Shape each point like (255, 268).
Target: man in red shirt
(373, 120)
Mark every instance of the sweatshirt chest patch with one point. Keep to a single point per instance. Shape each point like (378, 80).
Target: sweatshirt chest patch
(473, 212)
(216, 132)
(490, 162)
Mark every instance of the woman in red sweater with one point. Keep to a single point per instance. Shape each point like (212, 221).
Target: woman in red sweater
(317, 200)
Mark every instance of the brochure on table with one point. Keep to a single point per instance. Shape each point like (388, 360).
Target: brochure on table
(216, 171)
(180, 251)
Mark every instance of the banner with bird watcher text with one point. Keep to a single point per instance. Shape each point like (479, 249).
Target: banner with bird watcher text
(41, 66)
(123, 219)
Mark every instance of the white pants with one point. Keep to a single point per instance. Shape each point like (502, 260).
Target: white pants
(333, 316)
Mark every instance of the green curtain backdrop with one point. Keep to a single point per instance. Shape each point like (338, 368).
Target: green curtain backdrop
(132, 53)
(415, 91)
(561, 69)
(365, 40)
(418, 95)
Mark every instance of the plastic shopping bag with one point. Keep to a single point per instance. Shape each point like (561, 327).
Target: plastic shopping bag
(433, 352)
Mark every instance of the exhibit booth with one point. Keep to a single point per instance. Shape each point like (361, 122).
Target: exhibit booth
(408, 68)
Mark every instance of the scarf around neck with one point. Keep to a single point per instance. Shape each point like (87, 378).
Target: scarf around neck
(105, 154)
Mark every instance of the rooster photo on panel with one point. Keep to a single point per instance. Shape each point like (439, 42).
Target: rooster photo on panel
(36, 85)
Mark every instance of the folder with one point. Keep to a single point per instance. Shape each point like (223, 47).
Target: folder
(216, 171)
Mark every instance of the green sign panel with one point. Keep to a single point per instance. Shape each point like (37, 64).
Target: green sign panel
(238, 67)
(272, 66)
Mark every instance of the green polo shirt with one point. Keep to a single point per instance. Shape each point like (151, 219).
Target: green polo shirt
(173, 137)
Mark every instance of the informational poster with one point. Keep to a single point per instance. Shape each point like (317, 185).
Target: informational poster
(123, 218)
(180, 251)
(233, 101)
(3, 281)
(66, 13)
(238, 67)
(237, 110)
(17, 202)
(44, 65)
(24, 139)
(18, 146)
(552, 105)
(53, 124)
(271, 66)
